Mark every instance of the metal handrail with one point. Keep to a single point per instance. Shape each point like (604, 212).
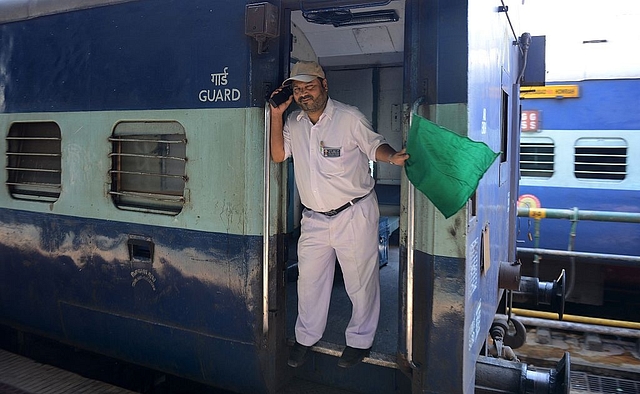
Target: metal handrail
(411, 248)
(612, 259)
(266, 218)
(576, 215)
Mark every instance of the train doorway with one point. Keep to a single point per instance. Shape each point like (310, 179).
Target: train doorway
(363, 62)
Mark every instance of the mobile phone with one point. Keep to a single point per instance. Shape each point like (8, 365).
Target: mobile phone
(281, 96)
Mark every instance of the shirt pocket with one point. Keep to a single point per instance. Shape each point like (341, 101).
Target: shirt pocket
(331, 160)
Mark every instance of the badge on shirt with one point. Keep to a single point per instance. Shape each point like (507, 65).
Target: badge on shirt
(328, 151)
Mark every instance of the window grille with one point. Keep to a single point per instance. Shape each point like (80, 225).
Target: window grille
(148, 166)
(34, 161)
(537, 158)
(601, 158)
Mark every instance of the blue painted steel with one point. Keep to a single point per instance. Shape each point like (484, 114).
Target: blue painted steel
(195, 309)
(602, 105)
(444, 354)
(199, 323)
(462, 64)
(140, 55)
(451, 87)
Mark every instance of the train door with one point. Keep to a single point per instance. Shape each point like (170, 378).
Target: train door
(440, 290)
(360, 45)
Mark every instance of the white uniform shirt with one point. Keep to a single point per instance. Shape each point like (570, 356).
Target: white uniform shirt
(331, 158)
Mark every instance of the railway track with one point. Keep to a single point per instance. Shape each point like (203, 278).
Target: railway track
(599, 363)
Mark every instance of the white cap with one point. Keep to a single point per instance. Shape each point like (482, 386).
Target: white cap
(305, 72)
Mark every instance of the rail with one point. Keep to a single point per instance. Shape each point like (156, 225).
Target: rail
(266, 219)
(411, 248)
(575, 215)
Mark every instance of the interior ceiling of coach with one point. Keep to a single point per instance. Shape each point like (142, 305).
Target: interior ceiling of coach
(354, 35)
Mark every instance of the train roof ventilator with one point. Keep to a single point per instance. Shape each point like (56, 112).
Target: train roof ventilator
(338, 13)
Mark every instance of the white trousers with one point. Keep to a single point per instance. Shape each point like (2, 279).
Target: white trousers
(352, 237)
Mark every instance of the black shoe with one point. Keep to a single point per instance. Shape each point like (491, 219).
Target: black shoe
(298, 355)
(351, 356)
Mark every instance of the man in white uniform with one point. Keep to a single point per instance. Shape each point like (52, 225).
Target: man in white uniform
(331, 144)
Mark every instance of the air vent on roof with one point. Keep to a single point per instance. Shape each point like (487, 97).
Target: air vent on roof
(347, 18)
(338, 12)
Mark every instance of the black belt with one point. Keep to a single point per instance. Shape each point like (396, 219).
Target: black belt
(336, 211)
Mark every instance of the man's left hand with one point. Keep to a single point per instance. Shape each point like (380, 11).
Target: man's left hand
(398, 158)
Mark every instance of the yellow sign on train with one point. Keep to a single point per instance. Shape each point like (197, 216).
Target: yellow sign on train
(549, 91)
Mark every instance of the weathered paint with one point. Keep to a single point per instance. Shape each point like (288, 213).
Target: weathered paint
(455, 291)
(224, 161)
(101, 59)
(66, 268)
(198, 298)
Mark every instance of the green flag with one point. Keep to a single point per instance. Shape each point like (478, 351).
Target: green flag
(445, 166)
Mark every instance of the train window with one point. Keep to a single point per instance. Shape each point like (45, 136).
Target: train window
(536, 157)
(148, 166)
(601, 158)
(34, 161)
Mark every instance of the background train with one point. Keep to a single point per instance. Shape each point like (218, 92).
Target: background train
(142, 218)
(579, 148)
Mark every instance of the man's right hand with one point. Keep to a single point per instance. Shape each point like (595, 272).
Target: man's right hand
(280, 109)
(277, 125)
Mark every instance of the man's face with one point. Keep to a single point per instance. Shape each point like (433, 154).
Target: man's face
(310, 96)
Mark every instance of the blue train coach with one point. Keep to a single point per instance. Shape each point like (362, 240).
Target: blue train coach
(142, 218)
(579, 163)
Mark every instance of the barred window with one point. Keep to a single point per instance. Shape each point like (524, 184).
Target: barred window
(601, 158)
(34, 161)
(148, 166)
(537, 157)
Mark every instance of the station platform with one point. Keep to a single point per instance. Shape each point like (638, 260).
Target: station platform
(21, 375)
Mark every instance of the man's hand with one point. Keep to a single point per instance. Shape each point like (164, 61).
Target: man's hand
(398, 158)
(280, 109)
(277, 124)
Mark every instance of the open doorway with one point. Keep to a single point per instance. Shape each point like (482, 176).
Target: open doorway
(363, 62)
